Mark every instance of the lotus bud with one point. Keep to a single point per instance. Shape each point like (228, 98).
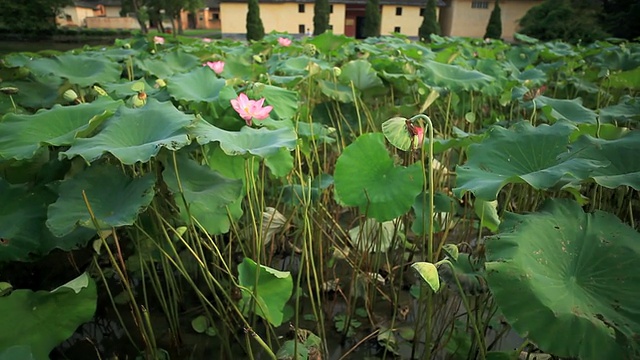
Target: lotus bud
(337, 71)
(70, 95)
(139, 100)
(313, 68)
(257, 58)
(160, 83)
(127, 46)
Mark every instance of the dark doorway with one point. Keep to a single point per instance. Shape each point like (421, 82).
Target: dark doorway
(360, 27)
(191, 21)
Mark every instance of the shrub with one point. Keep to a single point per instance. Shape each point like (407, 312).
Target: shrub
(320, 17)
(372, 19)
(255, 29)
(494, 27)
(430, 23)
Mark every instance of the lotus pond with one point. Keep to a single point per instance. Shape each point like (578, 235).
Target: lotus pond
(321, 199)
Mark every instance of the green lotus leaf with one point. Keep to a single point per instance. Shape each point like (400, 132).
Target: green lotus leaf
(22, 135)
(284, 102)
(199, 85)
(328, 42)
(625, 79)
(42, 320)
(208, 195)
(620, 156)
(261, 142)
(563, 109)
(35, 94)
(454, 77)
(522, 154)
(521, 56)
(122, 90)
(335, 91)
(170, 63)
(628, 110)
(565, 280)
(80, 70)
(115, 199)
(397, 133)
(366, 177)
(280, 163)
(361, 75)
(133, 135)
(487, 212)
(267, 294)
(429, 273)
(445, 207)
(22, 224)
(21, 352)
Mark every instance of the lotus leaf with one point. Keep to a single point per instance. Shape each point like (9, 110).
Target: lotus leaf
(171, 63)
(336, 91)
(261, 142)
(562, 109)
(619, 155)
(203, 194)
(284, 102)
(562, 278)
(22, 135)
(134, 135)
(36, 94)
(522, 154)
(80, 70)
(361, 75)
(265, 290)
(22, 224)
(454, 77)
(365, 176)
(199, 85)
(42, 320)
(115, 199)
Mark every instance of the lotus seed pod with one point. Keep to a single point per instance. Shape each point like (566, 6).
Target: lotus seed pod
(310, 49)
(70, 95)
(139, 100)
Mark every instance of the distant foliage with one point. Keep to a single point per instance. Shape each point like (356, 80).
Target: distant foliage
(430, 23)
(255, 29)
(494, 27)
(372, 19)
(320, 17)
(621, 18)
(33, 16)
(572, 21)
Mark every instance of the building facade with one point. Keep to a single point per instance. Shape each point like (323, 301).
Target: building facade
(470, 17)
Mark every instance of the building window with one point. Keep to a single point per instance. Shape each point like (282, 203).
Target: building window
(301, 9)
(330, 9)
(301, 29)
(399, 11)
(396, 29)
(330, 27)
(479, 4)
(422, 12)
(215, 16)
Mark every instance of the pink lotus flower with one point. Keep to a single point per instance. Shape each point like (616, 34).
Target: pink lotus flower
(250, 109)
(418, 138)
(158, 40)
(284, 41)
(207, 40)
(216, 66)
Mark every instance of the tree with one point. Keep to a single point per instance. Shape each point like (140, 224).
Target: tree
(137, 7)
(30, 16)
(320, 17)
(494, 27)
(371, 19)
(430, 23)
(255, 29)
(568, 20)
(620, 18)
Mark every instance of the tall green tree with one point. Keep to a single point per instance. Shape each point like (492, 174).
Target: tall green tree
(30, 16)
(255, 29)
(320, 16)
(494, 27)
(372, 19)
(430, 23)
(620, 18)
(139, 8)
(568, 20)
